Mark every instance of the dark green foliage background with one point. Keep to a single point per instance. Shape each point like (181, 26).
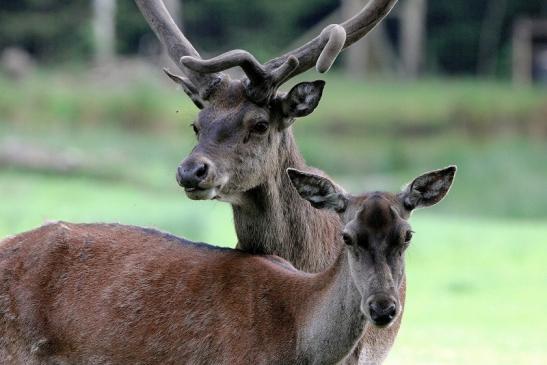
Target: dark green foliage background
(59, 30)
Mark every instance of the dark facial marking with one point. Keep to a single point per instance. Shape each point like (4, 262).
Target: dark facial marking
(376, 214)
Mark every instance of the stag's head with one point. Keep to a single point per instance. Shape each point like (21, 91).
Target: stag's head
(242, 122)
(239, 136)
(376, 232)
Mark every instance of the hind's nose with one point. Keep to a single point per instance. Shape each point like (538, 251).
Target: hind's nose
(382, 309)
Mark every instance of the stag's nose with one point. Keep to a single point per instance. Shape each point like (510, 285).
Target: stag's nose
(193, 172)
(382, 309)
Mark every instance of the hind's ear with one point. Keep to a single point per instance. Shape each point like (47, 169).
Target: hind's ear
(318, 190)
(428, 189)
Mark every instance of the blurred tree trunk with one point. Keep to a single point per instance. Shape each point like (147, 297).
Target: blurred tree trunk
(522, 52)
(413, 18)
(104, 30)
(357, 55)
(490, 37)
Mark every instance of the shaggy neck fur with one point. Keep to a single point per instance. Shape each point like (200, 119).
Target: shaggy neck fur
(273, 219)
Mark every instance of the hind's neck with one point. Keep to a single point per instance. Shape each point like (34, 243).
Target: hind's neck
(331, 320)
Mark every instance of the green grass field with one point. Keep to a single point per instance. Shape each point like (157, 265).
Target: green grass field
(476, 268)
(476, 293)
(476, 290)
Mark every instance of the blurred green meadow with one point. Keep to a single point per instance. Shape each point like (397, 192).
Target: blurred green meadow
(477, 276)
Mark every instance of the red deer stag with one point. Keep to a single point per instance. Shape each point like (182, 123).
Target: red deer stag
(112, 294)
(245, 143)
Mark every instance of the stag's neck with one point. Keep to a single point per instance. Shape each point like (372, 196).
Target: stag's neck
(273, 219)
(331, 321)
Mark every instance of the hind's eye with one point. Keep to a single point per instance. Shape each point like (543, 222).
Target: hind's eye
(347, 239)
(260, 127)
(408, 236)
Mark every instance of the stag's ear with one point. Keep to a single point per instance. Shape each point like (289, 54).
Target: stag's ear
(300, 101)
(428, 189)
(318, 190)
(188, 88)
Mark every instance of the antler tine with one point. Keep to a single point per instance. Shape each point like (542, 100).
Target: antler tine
(261, 83)
(283, 72)
(263, 80)
(252, 68)
(263, 91)
(173, 39)
(363, 22)
(355, 28)
(335, 37)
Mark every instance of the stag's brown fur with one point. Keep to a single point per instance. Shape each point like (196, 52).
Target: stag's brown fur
(281, 222)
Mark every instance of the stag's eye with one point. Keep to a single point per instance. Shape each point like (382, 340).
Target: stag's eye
(408, 236)
(347, 239)
(260, 127)
(196, 130)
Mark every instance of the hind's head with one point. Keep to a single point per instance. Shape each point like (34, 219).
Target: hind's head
(376, 232)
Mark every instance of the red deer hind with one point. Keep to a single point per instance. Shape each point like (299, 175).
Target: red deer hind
(245, 144)
(98, 294)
